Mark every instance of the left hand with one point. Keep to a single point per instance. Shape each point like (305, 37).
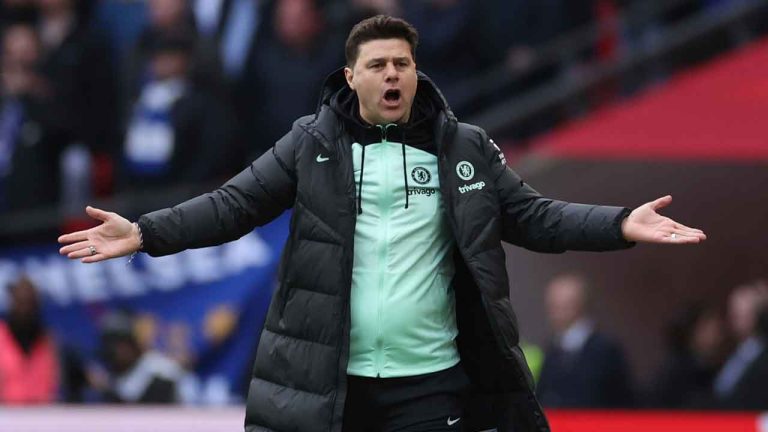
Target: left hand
(645, 225)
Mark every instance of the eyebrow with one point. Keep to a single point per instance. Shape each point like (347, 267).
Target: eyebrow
(384, 59)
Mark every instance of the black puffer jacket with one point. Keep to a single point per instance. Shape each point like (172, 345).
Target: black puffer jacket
(299, 377)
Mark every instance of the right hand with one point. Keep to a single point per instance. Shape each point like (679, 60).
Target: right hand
(115, 237)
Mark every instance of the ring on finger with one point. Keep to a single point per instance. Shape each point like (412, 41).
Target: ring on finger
(92, 249)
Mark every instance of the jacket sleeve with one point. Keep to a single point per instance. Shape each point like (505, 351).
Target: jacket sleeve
(546, 225)
(252, 198)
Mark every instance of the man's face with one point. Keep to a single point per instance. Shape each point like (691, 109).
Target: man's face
(20, 45)
(121, 355)
(742, 311)
(297, 22)
(564, 302)
(167, 13)
(24, 302)
(384, 77)
(55, 4)
(708, 335)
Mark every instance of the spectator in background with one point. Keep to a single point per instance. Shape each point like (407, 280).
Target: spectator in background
(179, 130)
(32, 135)
(169, 18)
(135, 374)
(29, 369)
(582, 367)
(79, 68)
(285, 70)
(743, 380)
(695, 339)
(226, 28)
(162, 17)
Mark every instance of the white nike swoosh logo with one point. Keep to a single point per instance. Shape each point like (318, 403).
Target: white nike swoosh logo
(453, 422)
(320, 158)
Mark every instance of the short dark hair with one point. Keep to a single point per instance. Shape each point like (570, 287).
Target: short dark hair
(379, 27)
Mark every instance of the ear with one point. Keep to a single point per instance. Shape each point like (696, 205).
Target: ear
(348, 75)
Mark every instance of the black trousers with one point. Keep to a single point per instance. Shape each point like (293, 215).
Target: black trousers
(421, 403)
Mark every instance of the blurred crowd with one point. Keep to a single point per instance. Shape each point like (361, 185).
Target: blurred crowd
(126, 367)
(717, 357)
(100, 97)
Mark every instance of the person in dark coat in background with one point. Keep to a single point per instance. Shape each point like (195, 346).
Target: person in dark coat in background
(32, 133)
(136, 374)
(583, 368)
(168, 18)
(79, 67)
(696, 340)
(29, 365)
(286, 67)
(451, 360)
(742, 382)
(179, 130)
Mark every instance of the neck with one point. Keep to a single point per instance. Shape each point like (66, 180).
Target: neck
(367, 118)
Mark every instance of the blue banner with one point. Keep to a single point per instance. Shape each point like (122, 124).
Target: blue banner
(204, 306)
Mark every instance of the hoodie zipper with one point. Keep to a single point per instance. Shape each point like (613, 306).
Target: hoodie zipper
(384, 206)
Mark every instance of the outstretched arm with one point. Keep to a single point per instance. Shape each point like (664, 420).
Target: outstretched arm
(254, 197)
(115, 237)
(644, 224)
(545, 225)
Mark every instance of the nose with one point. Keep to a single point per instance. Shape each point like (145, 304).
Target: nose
(391, 74)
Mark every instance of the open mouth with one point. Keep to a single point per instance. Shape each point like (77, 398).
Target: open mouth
(392, 96)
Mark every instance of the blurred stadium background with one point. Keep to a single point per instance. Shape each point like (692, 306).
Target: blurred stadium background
(134, 105)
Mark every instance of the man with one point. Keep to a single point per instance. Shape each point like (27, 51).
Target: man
(695, 339)
(179, 130)
(393, 271)
(285, 67)
(31, 136)
(583, 368)
(29, 365)
(741, 382)
(136, 374)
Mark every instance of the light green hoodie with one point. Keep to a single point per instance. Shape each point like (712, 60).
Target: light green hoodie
(402, 300)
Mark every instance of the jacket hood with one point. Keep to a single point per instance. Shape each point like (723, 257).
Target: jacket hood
(336, 100)
(418, 132)
(338, 96)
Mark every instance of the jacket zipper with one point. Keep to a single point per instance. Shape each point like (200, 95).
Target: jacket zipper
(385, 204)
